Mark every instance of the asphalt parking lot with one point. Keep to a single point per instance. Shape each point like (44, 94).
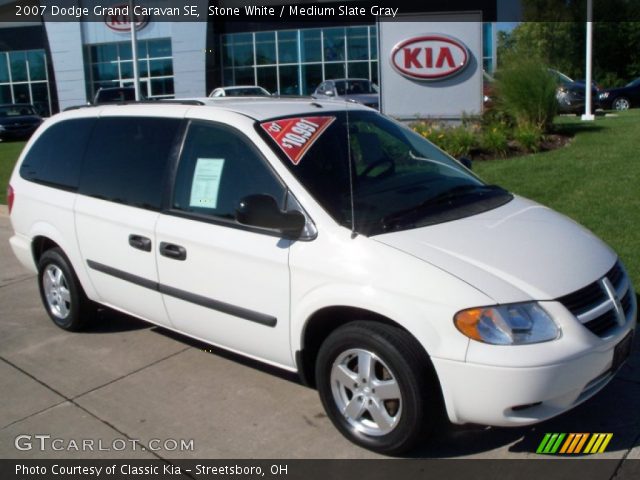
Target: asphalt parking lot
(126, 380)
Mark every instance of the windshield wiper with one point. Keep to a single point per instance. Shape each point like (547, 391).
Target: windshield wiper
(411, 214)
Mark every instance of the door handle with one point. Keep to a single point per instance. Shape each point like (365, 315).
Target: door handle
(170, 250)
(140, 242)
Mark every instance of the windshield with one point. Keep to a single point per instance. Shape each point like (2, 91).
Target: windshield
(355, 87)
(561, 76)
(634, 83)
(247, 92)
(400, 180)
(16, 110)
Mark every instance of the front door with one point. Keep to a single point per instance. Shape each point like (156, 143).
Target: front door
(222, 282)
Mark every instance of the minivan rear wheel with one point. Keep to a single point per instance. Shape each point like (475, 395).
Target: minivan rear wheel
(61, 292)
(377, 387)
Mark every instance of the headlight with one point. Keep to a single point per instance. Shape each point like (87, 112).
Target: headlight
(603, 95)
(515, 324)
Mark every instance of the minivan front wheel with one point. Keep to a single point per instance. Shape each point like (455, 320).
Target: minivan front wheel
(61, 292)
(376, 386)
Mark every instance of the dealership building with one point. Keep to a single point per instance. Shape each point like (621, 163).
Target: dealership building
(56, 64)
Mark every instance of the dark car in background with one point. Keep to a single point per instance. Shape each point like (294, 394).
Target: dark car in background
(358, 90)
(622, 98)
(571, 94)
(18, 121)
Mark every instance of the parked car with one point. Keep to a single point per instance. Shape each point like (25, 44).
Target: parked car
(358, 90)
(240, 91)
(18, 121)
(330, 241)
(622, 98)
(114, 95)
(571, 94)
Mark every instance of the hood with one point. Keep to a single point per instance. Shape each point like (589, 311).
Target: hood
(579, 86)
(616, 90)
(520, 251)
(364, 98)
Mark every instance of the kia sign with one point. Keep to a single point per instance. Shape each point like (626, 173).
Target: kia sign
(431, 65)
(119, 20)
(429, 57)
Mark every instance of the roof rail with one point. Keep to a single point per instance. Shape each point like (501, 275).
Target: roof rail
(139, 102)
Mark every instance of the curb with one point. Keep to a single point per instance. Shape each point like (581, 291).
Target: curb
(4, 211)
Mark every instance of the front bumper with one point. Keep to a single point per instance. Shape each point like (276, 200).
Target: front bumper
(514, 390)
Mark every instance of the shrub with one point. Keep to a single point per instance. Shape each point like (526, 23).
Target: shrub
(528, 137)
(495, 139)
(457, 141)
(460, 141)
(527, 91)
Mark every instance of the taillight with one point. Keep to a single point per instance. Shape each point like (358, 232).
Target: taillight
(10, 197)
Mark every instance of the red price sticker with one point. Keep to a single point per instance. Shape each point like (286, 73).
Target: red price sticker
(295, 136)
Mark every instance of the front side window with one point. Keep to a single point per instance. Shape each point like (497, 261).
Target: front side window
(217, 169)
(398, 179)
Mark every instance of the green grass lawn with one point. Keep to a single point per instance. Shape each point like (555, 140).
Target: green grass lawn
(9, 152)
(595, 180)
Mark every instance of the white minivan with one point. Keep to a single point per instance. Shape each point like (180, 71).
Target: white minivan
(324, 238)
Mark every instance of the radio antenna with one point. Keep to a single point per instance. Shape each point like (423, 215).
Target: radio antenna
(354, 234)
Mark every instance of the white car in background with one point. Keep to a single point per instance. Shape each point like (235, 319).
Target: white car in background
(239, 91)
(326, 239)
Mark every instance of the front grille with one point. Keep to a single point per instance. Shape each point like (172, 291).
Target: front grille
(584, 299)
(592, 306)
(602, 324)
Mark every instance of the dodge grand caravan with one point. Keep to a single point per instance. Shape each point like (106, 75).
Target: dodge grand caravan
(324, 238)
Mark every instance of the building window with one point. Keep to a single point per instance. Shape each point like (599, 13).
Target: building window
(111, 65)
(295, 62)
(24, 79)
(488, 40)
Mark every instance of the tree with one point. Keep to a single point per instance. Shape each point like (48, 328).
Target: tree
(554, 31)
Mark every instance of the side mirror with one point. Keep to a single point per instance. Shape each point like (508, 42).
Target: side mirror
(466, 162)
(262, 211)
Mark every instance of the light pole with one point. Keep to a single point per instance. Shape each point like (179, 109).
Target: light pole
(134, 51)
(588, 116)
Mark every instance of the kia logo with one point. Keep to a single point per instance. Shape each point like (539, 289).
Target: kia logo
(429, 57)
(121, 23)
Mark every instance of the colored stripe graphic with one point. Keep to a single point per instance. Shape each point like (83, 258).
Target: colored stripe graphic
(550, 443)
(573, 443)
(543, 443)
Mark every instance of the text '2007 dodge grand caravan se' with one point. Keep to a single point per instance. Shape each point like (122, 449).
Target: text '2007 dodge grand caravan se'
(324, 238)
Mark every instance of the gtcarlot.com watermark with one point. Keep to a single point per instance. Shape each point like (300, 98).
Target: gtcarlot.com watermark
(48, 443)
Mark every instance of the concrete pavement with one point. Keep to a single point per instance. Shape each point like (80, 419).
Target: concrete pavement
(126, 382)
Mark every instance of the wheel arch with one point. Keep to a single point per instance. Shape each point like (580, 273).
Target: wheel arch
(45, 236)
(322, 323)
(41, 244)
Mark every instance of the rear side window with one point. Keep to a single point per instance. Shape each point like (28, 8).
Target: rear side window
(56, 157)
(127, 158)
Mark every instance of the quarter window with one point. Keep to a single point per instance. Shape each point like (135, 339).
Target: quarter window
(56, 156)
(127, 159)
(217, 169)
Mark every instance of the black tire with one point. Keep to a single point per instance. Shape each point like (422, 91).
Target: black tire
(395, 354)
(70, 312)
